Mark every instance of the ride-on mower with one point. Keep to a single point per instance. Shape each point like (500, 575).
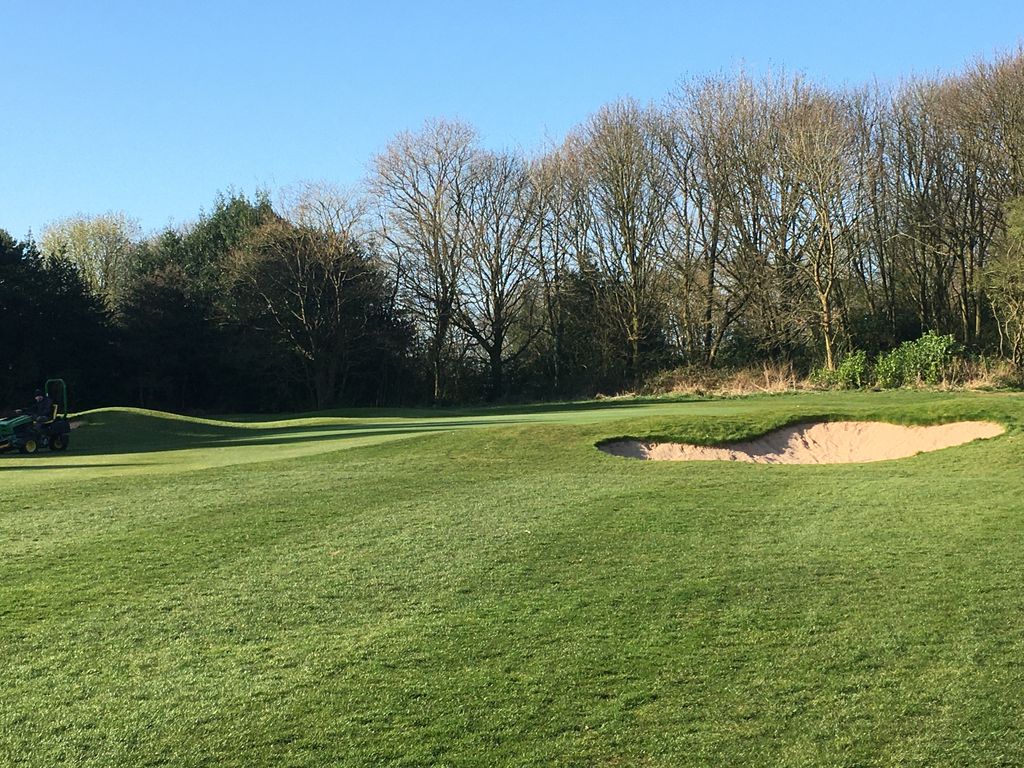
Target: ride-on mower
(27, 435)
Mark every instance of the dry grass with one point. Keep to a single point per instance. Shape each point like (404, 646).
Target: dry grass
(702, 381)
(987, 373)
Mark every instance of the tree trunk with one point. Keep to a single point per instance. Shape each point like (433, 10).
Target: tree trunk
(437, 354)
(496, 386)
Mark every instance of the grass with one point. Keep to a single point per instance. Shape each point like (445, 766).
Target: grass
(485, 588)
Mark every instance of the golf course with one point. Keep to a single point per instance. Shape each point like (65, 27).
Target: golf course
(484, 587)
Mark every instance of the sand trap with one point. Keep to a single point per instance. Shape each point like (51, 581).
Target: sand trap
(829, 442)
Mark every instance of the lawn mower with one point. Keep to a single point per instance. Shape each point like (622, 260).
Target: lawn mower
(27, 435)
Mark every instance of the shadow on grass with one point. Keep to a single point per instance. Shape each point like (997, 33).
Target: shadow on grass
(30, 463)
(103, 439)
(468, 412)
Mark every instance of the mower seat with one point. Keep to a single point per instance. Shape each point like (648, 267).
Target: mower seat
(53, 414)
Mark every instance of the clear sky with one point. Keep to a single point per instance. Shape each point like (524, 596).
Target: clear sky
(151, 106)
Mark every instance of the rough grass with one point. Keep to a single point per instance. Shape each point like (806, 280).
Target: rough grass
(702, 380)
(487, 589)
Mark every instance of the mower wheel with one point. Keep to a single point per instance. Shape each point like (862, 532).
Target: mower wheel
(59, 443)
(29, 446)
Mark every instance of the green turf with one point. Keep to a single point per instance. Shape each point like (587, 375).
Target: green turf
(484, 588)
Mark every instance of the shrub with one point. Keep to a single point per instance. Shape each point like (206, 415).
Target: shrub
(826, 378)
(851, 373)
(928, 360)
(889, 369)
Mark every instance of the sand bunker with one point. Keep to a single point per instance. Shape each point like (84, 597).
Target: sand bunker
(830, 442)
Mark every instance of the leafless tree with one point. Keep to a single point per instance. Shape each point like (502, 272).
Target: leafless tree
(501, 222)
(629, 191)
(706, 118)
(559, 242)
(420, 182)
(819, 141)
(343, 213)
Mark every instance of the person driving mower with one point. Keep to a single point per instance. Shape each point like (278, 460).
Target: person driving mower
(43, 424)
(41, 410)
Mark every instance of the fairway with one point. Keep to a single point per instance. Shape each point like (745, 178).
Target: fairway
(485, 587)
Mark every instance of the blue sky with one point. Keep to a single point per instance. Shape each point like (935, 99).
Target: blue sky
(151, 108)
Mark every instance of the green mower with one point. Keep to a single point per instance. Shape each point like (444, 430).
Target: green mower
(28, 435)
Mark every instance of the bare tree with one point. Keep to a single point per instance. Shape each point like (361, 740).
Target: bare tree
(559, 239)
(762, 216)
(342, 213)
(629, 192)
(501, 219)
(1004, 280)
(702, 127)
(819, 142)
(872, 238)
(981, 111)
(420, 181)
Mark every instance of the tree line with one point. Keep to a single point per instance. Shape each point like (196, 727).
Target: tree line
(740, 220)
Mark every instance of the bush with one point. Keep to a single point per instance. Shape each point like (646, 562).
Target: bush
(889, 367)
(851, 373)
(929, 360)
